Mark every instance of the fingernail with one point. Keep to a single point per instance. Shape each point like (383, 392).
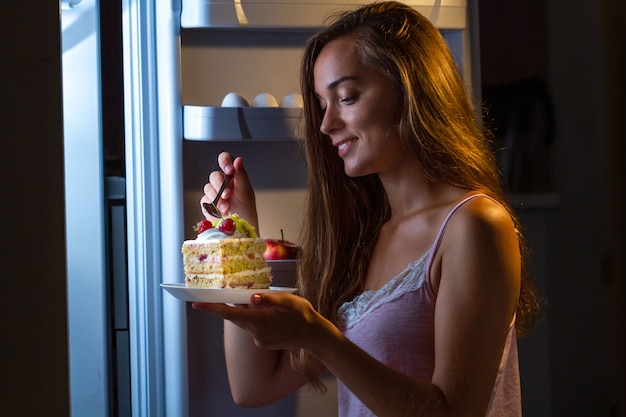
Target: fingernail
(256, 299)
(228, 169)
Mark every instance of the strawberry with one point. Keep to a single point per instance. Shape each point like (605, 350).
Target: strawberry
(227, 226)
(202, 226)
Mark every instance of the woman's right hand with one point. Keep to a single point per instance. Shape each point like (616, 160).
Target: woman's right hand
(238, 197)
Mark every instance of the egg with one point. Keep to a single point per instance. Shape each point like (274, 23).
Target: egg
(292, 100)
(265, 100)
(235, 100)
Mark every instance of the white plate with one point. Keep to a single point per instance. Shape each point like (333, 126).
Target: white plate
(219, 295)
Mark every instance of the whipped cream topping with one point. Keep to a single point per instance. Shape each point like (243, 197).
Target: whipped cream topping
(215, 233)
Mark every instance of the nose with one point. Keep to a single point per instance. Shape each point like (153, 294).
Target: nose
(330, 121)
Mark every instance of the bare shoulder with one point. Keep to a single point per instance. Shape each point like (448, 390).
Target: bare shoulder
(482, 217)
(480, 241)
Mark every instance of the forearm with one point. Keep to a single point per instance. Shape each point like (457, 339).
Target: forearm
(385, 391)
(257, 376)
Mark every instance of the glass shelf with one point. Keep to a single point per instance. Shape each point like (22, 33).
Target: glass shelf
(445, 14)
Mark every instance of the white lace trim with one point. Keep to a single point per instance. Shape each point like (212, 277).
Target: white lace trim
(410, 279)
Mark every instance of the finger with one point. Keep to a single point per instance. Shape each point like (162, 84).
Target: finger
(279, 302)
(243, 185)
(225, 161)
(239, 170)
(236, 169)
(239, 191)
(215, 181)
(227, 166)
(216, 178)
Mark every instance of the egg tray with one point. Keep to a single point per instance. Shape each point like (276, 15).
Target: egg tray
(211, 123)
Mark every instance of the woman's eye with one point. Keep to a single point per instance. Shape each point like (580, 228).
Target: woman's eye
(347, 100)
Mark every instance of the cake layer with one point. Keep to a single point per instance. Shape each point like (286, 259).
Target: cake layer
(257, 280)
(199, 264)
(226, 263)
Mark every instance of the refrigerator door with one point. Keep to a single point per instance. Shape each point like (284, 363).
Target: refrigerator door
(84, 200)
(153, 133)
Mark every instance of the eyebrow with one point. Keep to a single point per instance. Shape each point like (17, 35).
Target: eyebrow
(338, 81)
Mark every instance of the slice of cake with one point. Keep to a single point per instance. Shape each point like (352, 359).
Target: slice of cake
(228, 254)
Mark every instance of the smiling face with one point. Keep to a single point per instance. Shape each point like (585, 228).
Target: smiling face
(361, 110)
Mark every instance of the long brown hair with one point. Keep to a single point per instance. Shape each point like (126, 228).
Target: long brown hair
(438, 125)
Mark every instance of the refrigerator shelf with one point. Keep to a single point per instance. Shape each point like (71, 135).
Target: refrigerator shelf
(209, 123)
(291, 14)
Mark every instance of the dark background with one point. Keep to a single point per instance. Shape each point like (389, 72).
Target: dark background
(560, 65)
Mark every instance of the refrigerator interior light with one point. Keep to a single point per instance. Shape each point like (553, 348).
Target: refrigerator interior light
(241, 15)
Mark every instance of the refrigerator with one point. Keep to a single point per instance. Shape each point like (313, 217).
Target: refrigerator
(135, 350)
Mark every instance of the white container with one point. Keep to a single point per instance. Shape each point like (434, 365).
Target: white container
(240, 123)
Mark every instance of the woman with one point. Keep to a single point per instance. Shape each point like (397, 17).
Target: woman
(411, 278)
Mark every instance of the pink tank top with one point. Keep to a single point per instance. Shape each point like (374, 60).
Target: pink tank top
(395, 325)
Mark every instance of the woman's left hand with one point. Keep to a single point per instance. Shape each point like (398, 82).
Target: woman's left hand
(274, 321)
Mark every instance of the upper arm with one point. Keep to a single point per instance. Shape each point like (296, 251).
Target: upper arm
(479, 279)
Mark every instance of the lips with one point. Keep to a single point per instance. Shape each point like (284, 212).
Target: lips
(344, 146)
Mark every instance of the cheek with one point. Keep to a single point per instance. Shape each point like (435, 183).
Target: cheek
(384, 123)
(386, 113)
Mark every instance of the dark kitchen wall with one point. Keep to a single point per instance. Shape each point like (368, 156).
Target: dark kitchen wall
(34, 364)
(572, 157)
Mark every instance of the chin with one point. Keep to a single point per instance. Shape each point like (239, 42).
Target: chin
(354, 171)
(351, 172)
